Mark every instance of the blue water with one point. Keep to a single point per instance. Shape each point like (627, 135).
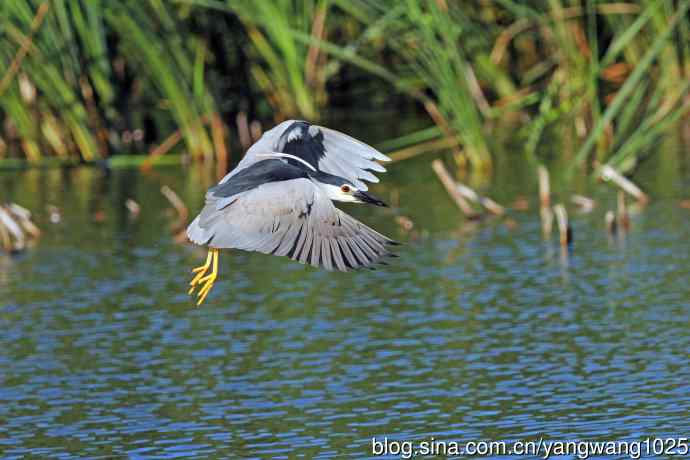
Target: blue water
(479, 331)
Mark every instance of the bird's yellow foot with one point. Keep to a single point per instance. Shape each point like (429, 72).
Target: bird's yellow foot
(200, 272)
(202, 279)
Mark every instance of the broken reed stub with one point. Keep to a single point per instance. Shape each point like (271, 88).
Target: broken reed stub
(544, 186)
(486, 202)
(546, 215)
(623, 215)
(452, 189)
(491, 206)
(564, 230)
(133, 208)
(608, 173)
(11, 232)
(16, 227)
(467, 192)
(23, 217)
(405, 222)
(586, 204)
(611, 224)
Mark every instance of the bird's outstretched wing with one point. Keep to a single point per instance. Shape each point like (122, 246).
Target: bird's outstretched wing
(325, 149)
(290, 218)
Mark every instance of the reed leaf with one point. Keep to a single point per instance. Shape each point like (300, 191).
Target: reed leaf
(631, 82)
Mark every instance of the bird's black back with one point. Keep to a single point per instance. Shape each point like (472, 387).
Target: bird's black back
(302, 140)
(259, 173)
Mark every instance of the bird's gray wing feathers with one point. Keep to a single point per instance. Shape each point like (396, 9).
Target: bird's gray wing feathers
(325, 149)
(294, 219)
(347, 157)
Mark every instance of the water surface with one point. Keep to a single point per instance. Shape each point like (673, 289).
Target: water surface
(479, 331)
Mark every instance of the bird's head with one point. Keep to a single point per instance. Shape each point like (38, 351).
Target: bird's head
(340, 189)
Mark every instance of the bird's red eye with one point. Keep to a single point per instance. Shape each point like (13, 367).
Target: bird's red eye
(345, 189)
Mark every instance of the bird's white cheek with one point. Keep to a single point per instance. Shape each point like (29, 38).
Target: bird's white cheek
(335, 194)
(347, 198)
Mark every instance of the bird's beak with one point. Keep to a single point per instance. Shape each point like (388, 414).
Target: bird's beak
(365, 197)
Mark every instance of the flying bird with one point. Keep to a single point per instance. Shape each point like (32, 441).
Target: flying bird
(279, 201)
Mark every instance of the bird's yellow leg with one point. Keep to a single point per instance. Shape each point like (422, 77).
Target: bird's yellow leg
(200, 271)
(209, 279)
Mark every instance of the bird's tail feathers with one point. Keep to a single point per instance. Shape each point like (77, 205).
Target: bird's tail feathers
(203, 228)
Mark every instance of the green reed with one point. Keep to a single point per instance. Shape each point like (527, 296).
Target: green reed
(587, 81)
(73, 90)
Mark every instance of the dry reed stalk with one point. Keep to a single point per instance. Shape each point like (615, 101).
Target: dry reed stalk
(515, 97)
(489, 204)
(317, 31)
(133, 208)
(170, 142)
(564, 229)
(163, 148)
(243, 130)
(521, 25)
(54, 214)
(546, 216)
(423, 147)
(23, 218)
(5, 240)
(218, 136)
(611, 224)
(476, 91)
(544, 186)
(441, 122)
(452, 189)
(255, 130)
(13, 238)
(24, 48)
(178, 204)
(586, 204)
(608, 173)
(492, 206)
(405, 223)
(623, 216)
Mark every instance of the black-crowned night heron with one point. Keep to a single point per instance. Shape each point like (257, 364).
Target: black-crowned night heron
(278, 200)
